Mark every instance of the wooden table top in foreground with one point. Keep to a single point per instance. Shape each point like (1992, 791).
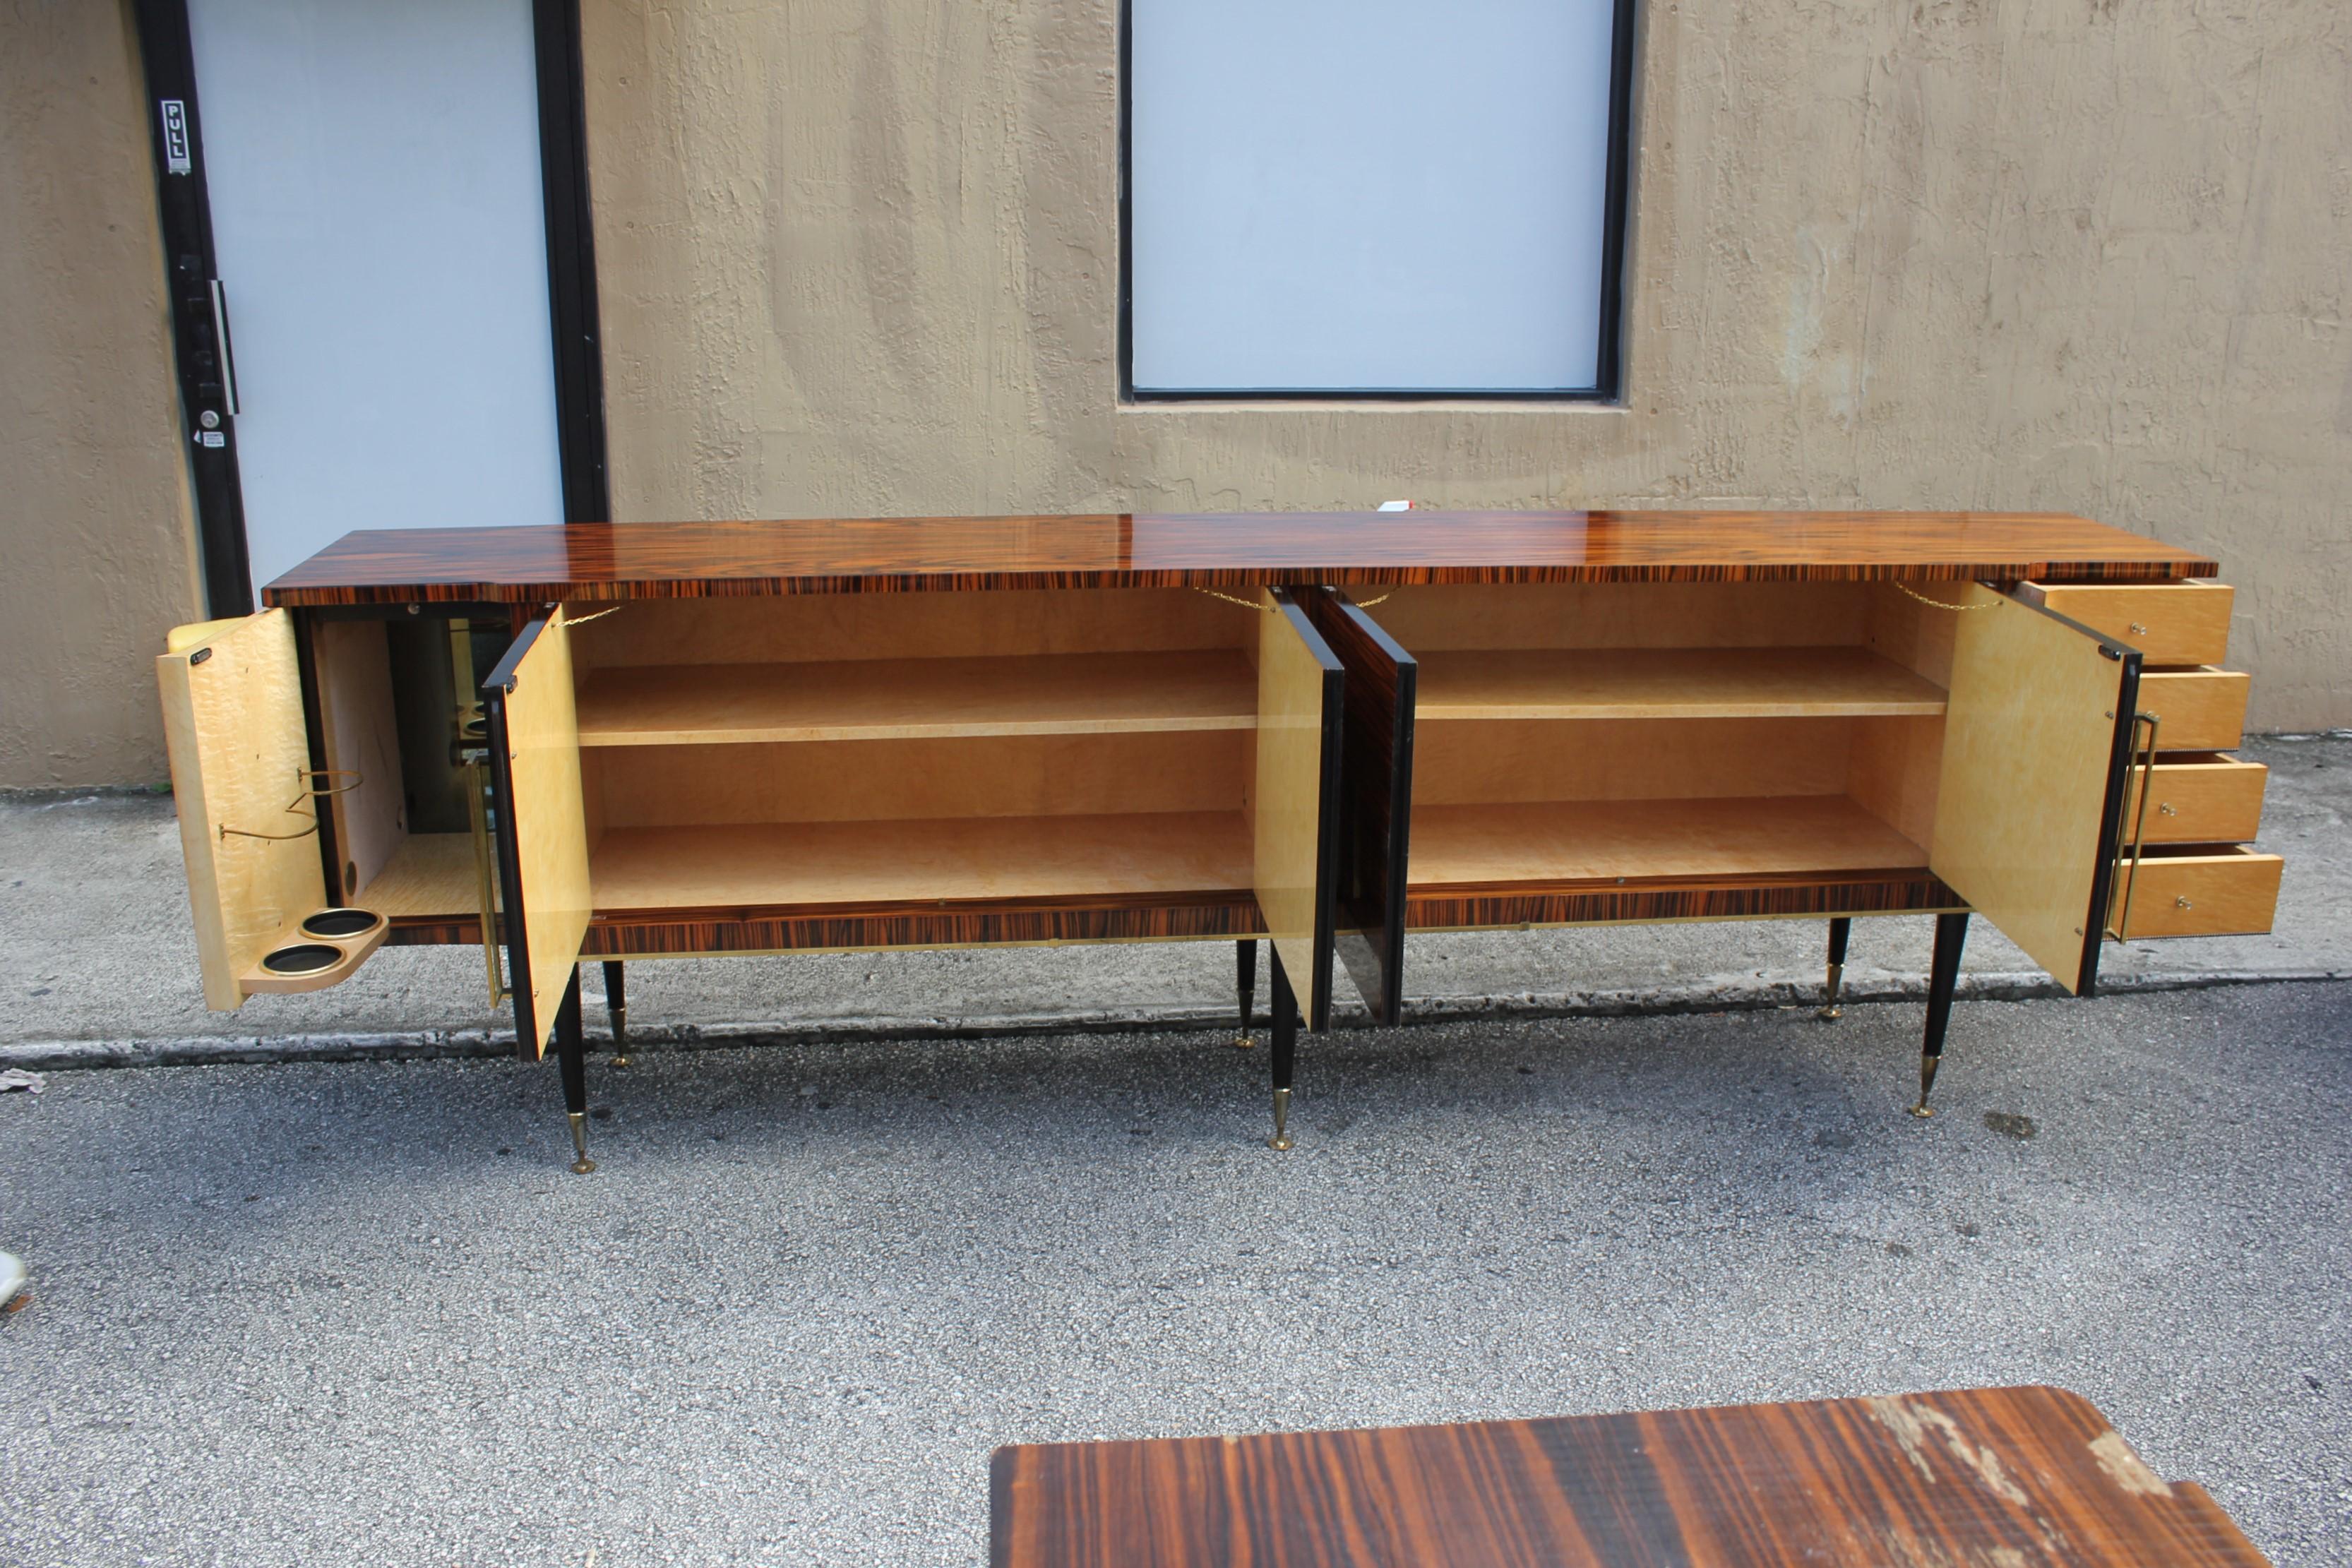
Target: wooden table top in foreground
(1995, 1478)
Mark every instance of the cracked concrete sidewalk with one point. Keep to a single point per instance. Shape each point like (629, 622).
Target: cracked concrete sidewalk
(98, 964)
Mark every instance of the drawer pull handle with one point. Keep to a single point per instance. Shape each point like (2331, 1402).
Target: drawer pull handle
(2164, 808)
(2138, 630)
(2182, 903)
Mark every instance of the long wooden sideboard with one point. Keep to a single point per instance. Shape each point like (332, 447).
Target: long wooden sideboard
(619, 741)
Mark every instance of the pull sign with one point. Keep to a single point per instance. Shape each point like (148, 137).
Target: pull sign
(176, 137)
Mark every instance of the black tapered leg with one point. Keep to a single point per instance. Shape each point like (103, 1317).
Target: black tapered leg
(1245, 977)
(1840, 929)
(1285, 1054)
(1943, 977)
(571, 1052)
(616, 1004)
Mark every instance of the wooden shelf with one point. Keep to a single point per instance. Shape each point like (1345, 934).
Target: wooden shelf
(428, 874)
(1669, 683)
(954, 858)
(1581, 840)
(891, 699)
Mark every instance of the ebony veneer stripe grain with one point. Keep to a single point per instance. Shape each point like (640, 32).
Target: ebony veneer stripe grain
(592, 561)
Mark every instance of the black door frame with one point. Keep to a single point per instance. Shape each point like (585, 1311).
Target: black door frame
(204, 351)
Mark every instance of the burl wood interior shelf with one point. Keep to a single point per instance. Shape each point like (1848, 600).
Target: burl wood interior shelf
(899, 699)
(1606, 841)
(1669, 683)
(805, 863)
(620, 740)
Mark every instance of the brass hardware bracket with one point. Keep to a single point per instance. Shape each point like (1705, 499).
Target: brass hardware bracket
(294, 807)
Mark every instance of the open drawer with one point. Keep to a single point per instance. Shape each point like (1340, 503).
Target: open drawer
(321, 812)
(2181, 622)
(2196, 889)
(849, 772)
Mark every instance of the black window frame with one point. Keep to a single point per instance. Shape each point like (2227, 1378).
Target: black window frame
(1610, 384)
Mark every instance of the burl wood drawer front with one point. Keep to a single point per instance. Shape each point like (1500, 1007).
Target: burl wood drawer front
(2201, 710)
(2200, 799)
(2223, 891)
(2171, 622)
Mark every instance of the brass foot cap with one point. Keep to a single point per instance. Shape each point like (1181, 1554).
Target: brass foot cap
(1279, 1141)
(620, 1062)
(1830, 1012)
(582, 1166)
(1922, 1110)
(1244, 1043)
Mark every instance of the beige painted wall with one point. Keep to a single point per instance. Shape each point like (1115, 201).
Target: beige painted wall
(860, 256)
(97, 541)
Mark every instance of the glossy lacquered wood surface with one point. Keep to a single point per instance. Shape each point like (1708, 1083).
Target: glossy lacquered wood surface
(2024, 1478)
(836, 554)
(1375, 798)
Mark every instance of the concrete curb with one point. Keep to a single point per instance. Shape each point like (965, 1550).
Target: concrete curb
(1745, 995)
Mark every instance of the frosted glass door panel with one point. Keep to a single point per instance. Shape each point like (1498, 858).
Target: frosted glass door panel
(1336, 194)
(373, 168)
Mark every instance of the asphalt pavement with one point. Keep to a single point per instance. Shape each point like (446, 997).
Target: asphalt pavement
(322, 1313)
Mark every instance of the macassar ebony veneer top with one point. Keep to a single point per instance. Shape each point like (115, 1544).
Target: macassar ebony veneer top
(1227, 549)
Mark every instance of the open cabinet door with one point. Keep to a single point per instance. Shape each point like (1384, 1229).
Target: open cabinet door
(2037, 752)
(1375, 798)
(542, 822)
(1296, 815)
(241, 780)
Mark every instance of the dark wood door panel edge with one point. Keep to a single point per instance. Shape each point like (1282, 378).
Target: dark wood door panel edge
(1375, 798)
(1314, 1006)
(495, 691)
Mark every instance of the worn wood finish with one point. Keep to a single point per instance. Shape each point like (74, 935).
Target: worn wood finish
(2214, 890)
(694, 560)
(1578, 840)
(1293, 800)
(542, 822)
(955, 858)
(2028, 761)
(2027, 1477)
(240, 756)
(2170, 623)
(1375, 798)
(897, 699)
(2197, 798)
(2202, 709)
(1669, 683)
(1519, 904)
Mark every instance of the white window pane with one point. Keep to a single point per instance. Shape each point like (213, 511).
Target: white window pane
(1368, 193)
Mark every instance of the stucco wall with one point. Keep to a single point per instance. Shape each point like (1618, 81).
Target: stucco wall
(860, 256)
(96, 545)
